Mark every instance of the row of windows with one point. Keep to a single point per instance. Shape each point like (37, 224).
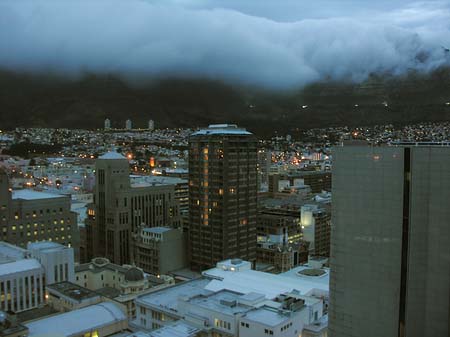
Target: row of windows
(56, 229)
(287, 326)
(35, 213)
(218, 323)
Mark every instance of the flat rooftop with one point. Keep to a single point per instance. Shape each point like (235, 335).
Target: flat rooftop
(77, 322)
(157, 230)
(267, 316)
(178, 329)
(271, 285)
(19, 266)
(72, 291)
(46, 245)
(222, 129)
(224, 301)
(167, 298)
(34, 195)
(10, 253)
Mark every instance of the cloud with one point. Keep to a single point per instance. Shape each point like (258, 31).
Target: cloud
(235, 43)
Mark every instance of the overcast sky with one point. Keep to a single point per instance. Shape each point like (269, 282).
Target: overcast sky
(272, 43)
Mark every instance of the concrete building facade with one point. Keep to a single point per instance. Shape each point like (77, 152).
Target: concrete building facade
(22, 279)
(390, 252)
(121, 209)
(29, 216)
(160, 250)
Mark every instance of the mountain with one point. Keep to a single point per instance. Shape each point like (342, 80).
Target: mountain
(52, 101)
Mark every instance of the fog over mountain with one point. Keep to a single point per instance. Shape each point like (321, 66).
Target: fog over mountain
(270, 44)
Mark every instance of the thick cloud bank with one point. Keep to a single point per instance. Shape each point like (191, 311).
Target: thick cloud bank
(137, 38)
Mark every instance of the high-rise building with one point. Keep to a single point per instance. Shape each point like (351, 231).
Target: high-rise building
(315, 222)
(222, 195)
(121, 208)
(107, 124)
(390, 250)
(151, 125)
(128, 124)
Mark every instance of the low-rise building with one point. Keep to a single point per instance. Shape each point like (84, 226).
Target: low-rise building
(22, 279)
(160, 250)
(29, 216)
(99, 320)
(233, 300)
(121, 283)
(57, 260)
(10, 327)
(67, 296)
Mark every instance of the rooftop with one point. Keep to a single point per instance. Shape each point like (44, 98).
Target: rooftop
(11, 253)
(224, 301)
(142, 181)
(157, 230)
(72, 291)
(271, 285)
(222, 129)
(112, 155)
(26, 194)
(267, 316)
(178, 329)
(167, 298)
(19, 266)
(46, 245)
(78, 321)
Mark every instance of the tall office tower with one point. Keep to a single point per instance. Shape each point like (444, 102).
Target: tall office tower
(121, 208)
(5, 199)
(107, 124)
(390, 250)
(222, 195)
(151, 125)
(264, 163)
(128, 124)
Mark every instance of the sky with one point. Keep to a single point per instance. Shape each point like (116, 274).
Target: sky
(268, 43)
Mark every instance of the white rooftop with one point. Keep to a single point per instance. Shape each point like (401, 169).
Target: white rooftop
(255, 285)
(267, 316)
(167, 298)
(271, 285)
(75, 323)
(33, 195)
(222, 129)
(218, 302)
(179, 329)
(19, 266)
(45, 245)
(112, 155)
(9, 252)
(143, 181)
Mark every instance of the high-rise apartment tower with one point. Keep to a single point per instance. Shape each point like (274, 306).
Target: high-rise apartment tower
(222, 195)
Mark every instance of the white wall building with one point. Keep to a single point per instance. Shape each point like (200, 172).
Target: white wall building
(21, 279)
(57, 260)
(98, 320)
(233, 300)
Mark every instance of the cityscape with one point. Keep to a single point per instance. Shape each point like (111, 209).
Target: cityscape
(191, 221)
